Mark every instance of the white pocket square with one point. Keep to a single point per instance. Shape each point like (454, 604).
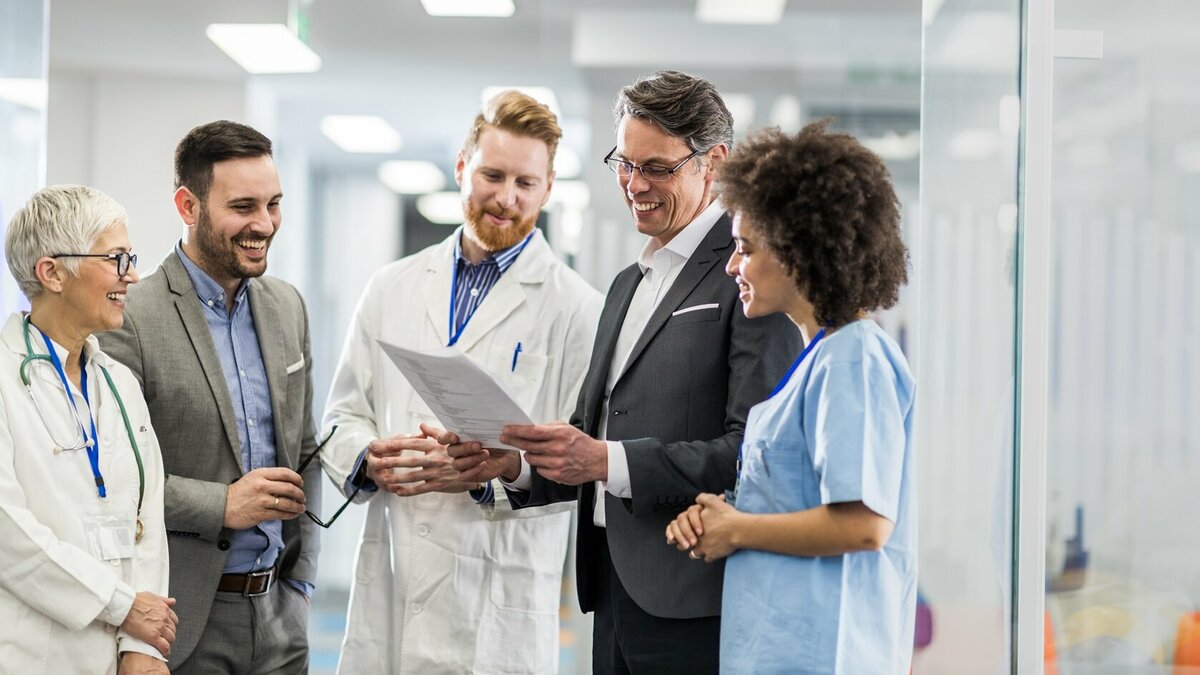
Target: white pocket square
(696, 308)
(295, 366)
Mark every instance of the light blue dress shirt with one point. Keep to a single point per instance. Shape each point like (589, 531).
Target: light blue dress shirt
(236, 341)
(840, 430)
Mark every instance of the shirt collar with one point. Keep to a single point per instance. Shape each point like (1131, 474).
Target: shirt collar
(684, 244)
(210, 292)
(503, 259)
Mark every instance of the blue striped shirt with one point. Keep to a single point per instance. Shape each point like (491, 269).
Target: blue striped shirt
(473, 282)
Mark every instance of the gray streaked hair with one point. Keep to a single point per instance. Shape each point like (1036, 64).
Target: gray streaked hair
(682, 105)
(57, 219)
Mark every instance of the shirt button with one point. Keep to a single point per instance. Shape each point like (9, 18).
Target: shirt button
(249, 423)
(474, 292)
(210, 303)
(241, 372)
(416, 608)
(423, 530)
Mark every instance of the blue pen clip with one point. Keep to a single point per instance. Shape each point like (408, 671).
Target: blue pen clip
(516, 353)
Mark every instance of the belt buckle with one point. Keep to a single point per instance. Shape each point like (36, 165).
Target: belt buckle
(251, 576)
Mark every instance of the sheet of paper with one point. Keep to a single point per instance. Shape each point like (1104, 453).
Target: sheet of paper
(464, 397)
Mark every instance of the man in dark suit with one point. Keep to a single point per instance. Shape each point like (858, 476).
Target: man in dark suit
(675, 368)
(222, 354)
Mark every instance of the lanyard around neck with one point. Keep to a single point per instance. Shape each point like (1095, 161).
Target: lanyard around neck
(455, 334)
(779, 387)
(92, 443)
(796, 364)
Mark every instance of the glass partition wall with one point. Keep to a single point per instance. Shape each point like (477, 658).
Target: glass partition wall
(22, 117)
(1122, 546)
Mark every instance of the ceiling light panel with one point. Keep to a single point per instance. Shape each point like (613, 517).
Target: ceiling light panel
(410, 177)
(487, 8)
(444, 208)
(361, 133)
(740, 11)
(264, 48)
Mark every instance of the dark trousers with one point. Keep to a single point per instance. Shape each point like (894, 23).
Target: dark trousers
(626, 639)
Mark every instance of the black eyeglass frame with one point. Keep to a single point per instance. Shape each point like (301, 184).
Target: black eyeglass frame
(304, 465)
(124, 259)
(615, 165)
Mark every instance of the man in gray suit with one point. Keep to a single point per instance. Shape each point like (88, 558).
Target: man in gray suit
(675, 368)
(222, 354)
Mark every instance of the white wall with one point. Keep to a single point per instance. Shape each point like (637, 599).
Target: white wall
(117, 132)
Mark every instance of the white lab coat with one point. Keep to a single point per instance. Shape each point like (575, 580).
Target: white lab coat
(60, 607)
(442, 584)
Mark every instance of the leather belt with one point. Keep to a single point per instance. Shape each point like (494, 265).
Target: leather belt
(250, 585)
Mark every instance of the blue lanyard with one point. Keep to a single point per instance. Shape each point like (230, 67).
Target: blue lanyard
(796, 364)
(93, 443)
(779, 387)
(454, 335)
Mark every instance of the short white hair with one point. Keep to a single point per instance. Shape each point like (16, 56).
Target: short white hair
(58, 219)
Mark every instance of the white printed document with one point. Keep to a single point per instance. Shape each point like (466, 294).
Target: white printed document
(464, 397)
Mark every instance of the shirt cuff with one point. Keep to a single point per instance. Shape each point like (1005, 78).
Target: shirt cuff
(128, 643)
(302, 586)
(524, 481)
(358, 477)
(618, 484)
(118, 606)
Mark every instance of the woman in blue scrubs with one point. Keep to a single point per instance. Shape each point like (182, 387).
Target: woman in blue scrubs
(820, 533)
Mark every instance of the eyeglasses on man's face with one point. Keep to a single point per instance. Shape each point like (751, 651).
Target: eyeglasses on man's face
(124, 259)
(304, 465)
(651, 172)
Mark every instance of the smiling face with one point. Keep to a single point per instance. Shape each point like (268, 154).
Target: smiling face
(662, 209)
(763, 282)
(505, 183)
(231, 231)
(94, 298)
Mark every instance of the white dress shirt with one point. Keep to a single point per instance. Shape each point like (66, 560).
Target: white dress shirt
(660, 267)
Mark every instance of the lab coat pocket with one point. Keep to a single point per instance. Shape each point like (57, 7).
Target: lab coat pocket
(520, 371)
(527, 573)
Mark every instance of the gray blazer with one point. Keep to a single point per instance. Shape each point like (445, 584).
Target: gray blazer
(680, 407)
(167, 344)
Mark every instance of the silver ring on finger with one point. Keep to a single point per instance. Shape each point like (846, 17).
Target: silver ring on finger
(276, 504)
(694, 556)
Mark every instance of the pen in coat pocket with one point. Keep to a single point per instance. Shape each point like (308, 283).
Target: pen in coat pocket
(516, 353)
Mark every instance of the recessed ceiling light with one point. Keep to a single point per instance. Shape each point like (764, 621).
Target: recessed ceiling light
(566, 162)
(500, 8)
(264, 48)
(410, 177)
(444, 208)
(740, 11)
(361, 133)
(543, 95)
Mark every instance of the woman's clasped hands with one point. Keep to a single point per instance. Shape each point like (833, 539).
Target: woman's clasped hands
(707, 530)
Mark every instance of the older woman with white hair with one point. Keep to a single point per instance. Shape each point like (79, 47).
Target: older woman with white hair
(83, 564)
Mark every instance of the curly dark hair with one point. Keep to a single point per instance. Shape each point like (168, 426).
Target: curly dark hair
(825, 208)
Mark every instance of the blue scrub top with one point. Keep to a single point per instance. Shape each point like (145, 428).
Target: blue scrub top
(840, 430)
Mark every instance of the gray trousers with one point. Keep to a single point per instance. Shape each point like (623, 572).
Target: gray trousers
(253, 636)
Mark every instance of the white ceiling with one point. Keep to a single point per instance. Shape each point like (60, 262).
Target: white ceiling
(424, 74)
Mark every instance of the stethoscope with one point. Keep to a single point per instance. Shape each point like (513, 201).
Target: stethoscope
(82, 442)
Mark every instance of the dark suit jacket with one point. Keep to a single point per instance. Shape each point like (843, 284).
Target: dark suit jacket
(680, 408)
(167, 344)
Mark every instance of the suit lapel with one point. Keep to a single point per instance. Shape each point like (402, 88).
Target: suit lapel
(190, 313)
(266, 319)
(435, 289)
(706, 258)
(606, 341)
